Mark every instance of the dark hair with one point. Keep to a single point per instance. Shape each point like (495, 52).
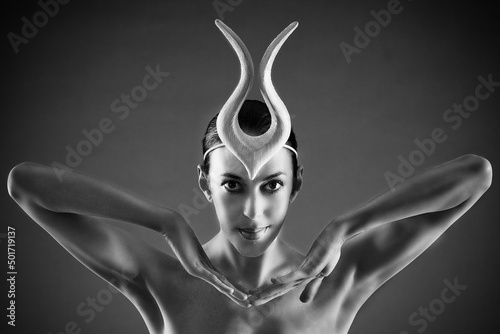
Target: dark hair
(254, 119)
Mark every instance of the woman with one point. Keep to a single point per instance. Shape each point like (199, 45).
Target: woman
(246, 279)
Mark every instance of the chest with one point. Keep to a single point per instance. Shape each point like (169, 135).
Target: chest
(194, 306)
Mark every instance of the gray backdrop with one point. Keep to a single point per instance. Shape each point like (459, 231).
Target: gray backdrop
(353, 121)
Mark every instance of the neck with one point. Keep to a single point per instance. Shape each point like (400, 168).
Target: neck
(244, 271)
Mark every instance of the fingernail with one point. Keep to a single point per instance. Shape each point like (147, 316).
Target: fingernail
(259, 302)
(239, 295)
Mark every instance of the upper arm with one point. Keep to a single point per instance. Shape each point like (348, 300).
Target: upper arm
(380, 253)
(110, 252)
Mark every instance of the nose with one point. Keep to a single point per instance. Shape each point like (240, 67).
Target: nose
(254, 206)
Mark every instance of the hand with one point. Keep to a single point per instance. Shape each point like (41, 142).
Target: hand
(318, 264)
(193, 258)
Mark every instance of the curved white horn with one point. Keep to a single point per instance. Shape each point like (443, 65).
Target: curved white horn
(227, 120)
(254, 151)
(281, 124)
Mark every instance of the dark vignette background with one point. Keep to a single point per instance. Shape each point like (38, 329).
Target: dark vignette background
(352, 122)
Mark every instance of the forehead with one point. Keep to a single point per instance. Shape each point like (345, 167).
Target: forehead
(223, 161)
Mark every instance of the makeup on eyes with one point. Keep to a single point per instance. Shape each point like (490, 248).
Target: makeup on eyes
(272, 191)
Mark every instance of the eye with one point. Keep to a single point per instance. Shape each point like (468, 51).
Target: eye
(274, 185)
(231, 186)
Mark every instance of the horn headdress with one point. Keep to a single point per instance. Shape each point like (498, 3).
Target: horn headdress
(254, 151)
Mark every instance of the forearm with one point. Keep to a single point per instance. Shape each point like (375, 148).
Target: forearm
(85, 195)
(440, 188)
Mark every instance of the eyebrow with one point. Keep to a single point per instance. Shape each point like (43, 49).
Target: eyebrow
(239, 178)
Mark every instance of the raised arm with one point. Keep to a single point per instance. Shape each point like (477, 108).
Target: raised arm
(397, 226)
(448, 186)
(73, 213)
(383, 236)
(70, 210)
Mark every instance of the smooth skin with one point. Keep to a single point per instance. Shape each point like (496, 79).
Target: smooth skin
(231, 284)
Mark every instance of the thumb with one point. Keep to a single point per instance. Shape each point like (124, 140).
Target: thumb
(310, 291)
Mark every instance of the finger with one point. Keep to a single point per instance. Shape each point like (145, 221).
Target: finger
(218, 282)
(332, 264)
(244, 303)
(234, 295)
(308, 269)
(294, 276)
(268, 293)
(275, 292)
(328, 269)
(222, 284)
(221, 280)
(235, 292)
(272, 288)
(262, 299)
(311, 290)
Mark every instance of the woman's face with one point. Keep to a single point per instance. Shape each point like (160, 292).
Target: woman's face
(250, 212)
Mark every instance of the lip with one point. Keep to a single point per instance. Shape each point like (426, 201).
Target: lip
(253, 233)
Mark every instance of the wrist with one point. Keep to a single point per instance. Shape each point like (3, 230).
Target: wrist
(337, 230)
(165, 221)
(345, 227)
(168, 222)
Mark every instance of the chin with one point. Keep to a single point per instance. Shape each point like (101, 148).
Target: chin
(255, 252)
(251, 248)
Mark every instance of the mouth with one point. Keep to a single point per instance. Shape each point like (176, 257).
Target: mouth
(253, 233)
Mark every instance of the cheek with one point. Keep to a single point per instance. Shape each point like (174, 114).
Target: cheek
(226, 206)
(281, 200)
(277, 208)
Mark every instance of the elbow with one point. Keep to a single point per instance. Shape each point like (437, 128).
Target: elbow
(18, 180)
(480, 170)
(486, 172)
